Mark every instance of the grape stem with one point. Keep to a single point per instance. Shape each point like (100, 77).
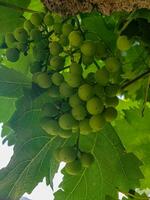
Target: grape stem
(15, 7)
(146, 73)
(77, 142)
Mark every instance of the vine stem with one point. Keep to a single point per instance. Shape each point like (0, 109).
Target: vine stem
(146, 73)
(15, 7)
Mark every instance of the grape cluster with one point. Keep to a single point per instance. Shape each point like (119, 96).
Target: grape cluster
(82, 101)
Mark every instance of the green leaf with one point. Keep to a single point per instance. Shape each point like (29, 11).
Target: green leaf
(113, 170)
(134, 133)
(12, 83)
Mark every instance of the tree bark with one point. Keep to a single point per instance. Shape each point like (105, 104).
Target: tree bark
(106, 7)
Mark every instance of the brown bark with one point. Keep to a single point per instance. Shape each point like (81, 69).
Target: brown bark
(106, 7)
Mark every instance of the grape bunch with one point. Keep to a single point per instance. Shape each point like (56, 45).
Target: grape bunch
(82, 101)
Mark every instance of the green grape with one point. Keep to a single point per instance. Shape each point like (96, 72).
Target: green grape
(67, 122)
(79, 112)
(65, 133)
(34, 77)
(57, 78)
(76, 68)
(22, 47)
(87, 60)
(28, 25)
(102, 76)
(85, 92)
(73, 80)
(55, 48)
(36, 35)
(88, 48)
(12, 54)
(50, 126)
(67, 29)
(111, 90)
(49, 110)
(57, 62)
(75, 38)
(84, 127)
(74, 100)
(111, 101)
(56, 154)
(21, 35)
(54, 91)
(57, 28)
(95, 106)
(39, 54)
(35, 67)
(99, 91)
(97, 122)
(36, 19)
(48, 19)
(112, 64)
(100, 50)
(86, 159)
(110, 114)
(10, 40)
(43, 80)
(123, 43)
(90, 79)
(63, 40)
(73, 168)
(65, 90)
(68, 154)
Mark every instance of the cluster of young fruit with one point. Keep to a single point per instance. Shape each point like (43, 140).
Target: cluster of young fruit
(80, 102)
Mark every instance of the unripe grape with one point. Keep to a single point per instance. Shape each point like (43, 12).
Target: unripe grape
(84, 127)
(88, 48)
(87, 60)
(34, 77)
(22, 47)
(49, 110)
(73, 80)
(97, 122)
(75, 38)
(102, 76)
(76, 68)
(67, 122)
(43, 80)
(48, 19)
(36, 19)
(65, 133)
(74, 100)
(85, 92)
(39, 54)
(57, 78)
(57, 62)
(111, 101)
(86, 159)
(57, 28)
(73, 168)
(63, 40)
(55, 48)
(67, 154)
(21, 35)
(110, 114)
(99, 91)
(67, 29)
(50, 126)
(36, 35)
(65, 90)
(100, 50)
(12, 54)
(10, 40)
(35, 67)
(123, 43)
(79, 112)
(111, 90)
(28, 25)
(95, 106)
(112, 64)
(54, 91)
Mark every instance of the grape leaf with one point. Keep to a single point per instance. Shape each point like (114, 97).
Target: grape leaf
(113, 170)
(134, 133)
